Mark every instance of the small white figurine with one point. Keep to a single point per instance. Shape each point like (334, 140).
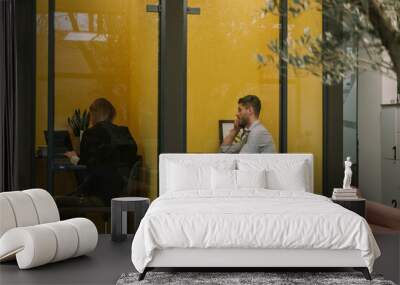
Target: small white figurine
(347, 174)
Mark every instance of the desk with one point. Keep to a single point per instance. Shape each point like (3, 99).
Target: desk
(67, 166)
(65, 180)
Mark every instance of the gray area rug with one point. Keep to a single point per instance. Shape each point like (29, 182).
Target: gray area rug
(229, 278)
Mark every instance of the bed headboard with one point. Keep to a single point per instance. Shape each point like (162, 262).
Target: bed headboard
(171, 157)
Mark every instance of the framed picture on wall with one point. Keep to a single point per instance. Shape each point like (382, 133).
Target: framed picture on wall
(224, 127)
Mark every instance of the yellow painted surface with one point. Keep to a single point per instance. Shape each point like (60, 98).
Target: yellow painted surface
(95, 67)
(305, 125)
(143, 95)
(222, 45)
(104, 49)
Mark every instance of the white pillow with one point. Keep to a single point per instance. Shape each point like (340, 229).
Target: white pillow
(288, 177)
(223, 179)
(236, 179)
(281, 174)
(196, 174)
(251, 178)
(186, 178)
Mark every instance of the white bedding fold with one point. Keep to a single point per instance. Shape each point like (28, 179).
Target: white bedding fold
(252, 218)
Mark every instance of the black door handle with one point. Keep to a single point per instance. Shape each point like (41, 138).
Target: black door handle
(394, 152)
(394, 203)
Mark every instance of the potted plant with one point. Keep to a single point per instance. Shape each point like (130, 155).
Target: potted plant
(78, 123)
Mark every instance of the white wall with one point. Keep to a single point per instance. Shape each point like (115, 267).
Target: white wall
(389, 85)
(389, 90)
(374, 89)
(350, 118)
(370, 86)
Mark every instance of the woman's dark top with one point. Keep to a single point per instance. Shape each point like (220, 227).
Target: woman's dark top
(109, 152)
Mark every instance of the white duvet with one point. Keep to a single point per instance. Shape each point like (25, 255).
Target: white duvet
(251, 218)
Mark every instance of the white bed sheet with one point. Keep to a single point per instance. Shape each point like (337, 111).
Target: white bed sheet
(250, 218)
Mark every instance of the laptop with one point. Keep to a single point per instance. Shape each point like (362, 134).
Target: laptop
(61, 141)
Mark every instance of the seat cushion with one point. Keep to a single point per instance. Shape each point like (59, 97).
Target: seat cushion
(40, 244)
(45, 205)
(7, 220)
(24, 211)
(26, 208)
(32, 246)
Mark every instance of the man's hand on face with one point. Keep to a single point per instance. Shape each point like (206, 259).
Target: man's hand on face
(236, 125)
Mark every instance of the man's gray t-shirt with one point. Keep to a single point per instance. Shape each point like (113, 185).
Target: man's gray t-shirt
(258, 140)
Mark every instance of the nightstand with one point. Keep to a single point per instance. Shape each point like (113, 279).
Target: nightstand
(356, 205)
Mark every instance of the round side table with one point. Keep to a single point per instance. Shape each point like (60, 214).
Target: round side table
(119, 209)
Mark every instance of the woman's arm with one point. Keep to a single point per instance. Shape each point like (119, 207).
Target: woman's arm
(73, 157)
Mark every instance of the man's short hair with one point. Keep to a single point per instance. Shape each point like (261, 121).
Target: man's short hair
(253, 101)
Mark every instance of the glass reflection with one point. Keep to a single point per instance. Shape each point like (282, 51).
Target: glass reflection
(305, 117)
(223, 44)
(106, 50)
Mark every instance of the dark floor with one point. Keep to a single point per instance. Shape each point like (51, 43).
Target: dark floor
(111, 259)
(103, 266)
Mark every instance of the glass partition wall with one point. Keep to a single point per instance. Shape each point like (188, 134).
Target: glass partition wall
(103, 49)
(110, 50)
(223, 43)
(305, 95)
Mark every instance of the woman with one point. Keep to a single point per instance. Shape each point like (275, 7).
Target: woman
(107, 150)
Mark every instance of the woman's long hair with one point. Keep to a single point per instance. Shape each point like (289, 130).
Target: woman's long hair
(101, 110)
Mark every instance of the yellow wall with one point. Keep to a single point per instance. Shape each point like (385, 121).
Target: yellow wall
(305, 124)
(84, 71)
(222, 45)
(143, 95)
(119, 62)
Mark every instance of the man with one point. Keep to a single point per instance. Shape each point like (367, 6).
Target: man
(255, 137)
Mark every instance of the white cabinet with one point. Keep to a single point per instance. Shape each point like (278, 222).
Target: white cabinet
(389, 90)
(390, 143)
(391, 182)
(390, 132)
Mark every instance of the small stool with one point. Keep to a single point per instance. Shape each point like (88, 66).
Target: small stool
(119, 207)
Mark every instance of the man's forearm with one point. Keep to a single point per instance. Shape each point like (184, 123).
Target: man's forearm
(228, 140)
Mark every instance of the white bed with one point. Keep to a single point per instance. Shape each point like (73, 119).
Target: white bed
(211, 225)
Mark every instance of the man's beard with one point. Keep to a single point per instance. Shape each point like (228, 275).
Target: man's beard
(243, 122)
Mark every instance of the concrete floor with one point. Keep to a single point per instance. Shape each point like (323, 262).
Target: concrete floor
(103, 266)
(106, 264)
(388, 264)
